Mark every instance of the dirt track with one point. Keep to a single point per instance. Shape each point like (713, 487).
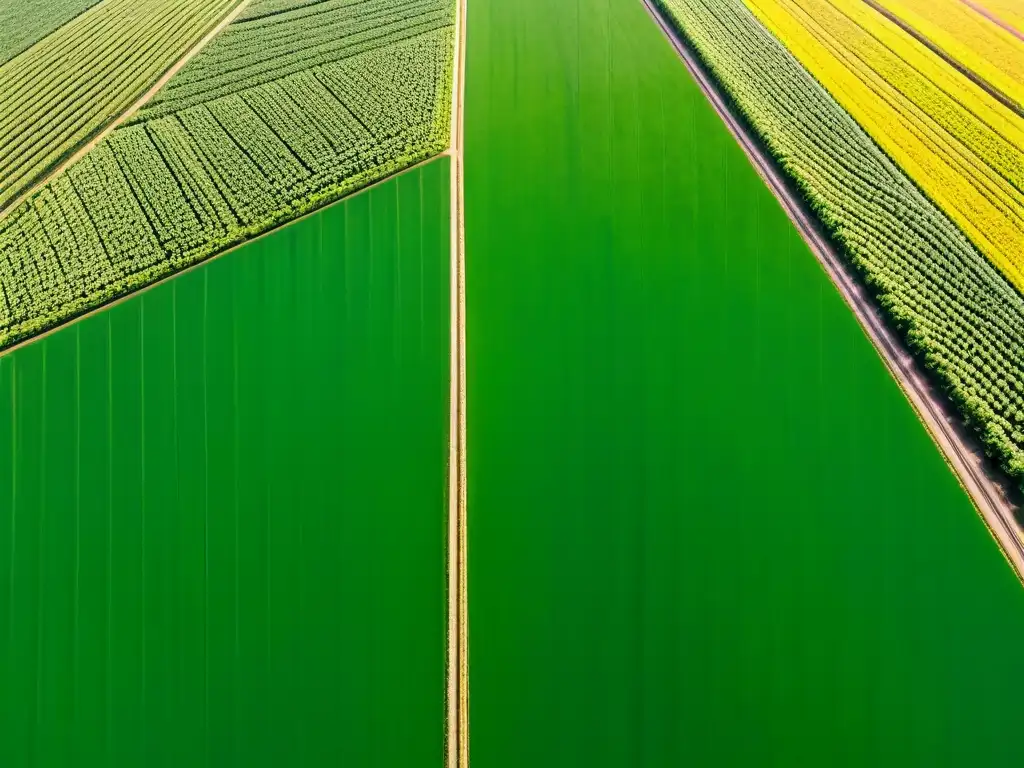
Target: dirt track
(458, 657)
(989, 492)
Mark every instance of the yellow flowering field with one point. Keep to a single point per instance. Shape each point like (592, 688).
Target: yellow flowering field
(956, 141)
(974, 41)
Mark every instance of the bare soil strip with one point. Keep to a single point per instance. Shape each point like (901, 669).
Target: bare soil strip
(994, 19)
(992, 494)
(458, 656)
(970, 74)
(128, 113)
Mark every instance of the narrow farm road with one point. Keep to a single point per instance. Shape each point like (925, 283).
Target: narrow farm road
(458, 659)
(128, 113)
(961, 452)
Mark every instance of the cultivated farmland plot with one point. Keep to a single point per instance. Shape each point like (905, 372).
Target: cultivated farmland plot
(952, 304)
(220, 503)
(963, 147)
(294, 105)
(59, 93)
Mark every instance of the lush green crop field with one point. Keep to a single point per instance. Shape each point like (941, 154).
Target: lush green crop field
(955, 309)
(222, 507)
(282, 113)
(63, 91)
(705, 527)
(25, 22)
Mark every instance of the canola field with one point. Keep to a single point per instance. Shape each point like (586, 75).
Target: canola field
(1008, 14)
(294, 105)
(958, 143)
(957, 31)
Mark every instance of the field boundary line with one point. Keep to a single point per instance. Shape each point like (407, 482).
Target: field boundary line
(203, 262)
(458, 603)
(954, 441)
(138, 104)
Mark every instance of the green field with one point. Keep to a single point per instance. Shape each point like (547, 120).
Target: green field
(705, 526)
(222, 507)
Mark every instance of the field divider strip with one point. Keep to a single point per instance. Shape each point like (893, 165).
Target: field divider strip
(458, 635)
(130, 111)
(963, 455)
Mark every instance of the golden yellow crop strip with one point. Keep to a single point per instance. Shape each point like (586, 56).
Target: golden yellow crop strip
(975, 42)
(969, 147)
(919, 59)
(902, 137)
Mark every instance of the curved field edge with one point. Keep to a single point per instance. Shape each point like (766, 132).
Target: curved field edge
(917, 228)
(171, 263)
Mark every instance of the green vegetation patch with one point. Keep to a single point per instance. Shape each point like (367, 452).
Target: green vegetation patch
(706, 528)
(60, 93)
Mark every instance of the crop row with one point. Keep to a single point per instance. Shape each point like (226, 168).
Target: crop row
(957, 313)
(167, 192)
(1005, 12)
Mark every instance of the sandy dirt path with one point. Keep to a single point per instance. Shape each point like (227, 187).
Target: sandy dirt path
(989, 491)
(128, 113)
(458, 638)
